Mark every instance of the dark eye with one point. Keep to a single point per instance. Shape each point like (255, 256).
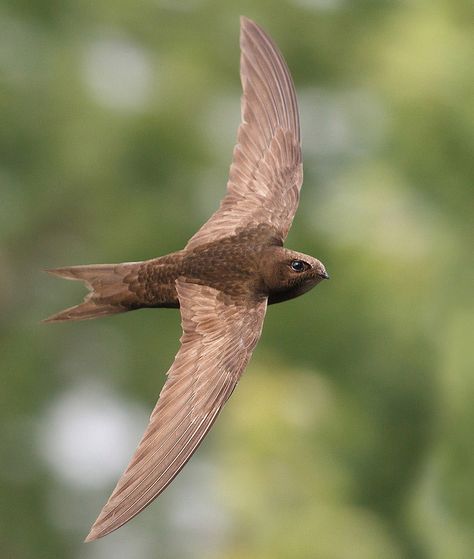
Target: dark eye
(298, 265)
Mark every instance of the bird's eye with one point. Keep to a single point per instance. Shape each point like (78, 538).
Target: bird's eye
(298, 265)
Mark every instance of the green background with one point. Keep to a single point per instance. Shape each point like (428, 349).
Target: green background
(351, 433)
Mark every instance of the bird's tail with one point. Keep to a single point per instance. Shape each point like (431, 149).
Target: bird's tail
(109, 290)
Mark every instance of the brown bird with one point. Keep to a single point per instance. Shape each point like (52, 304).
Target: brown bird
(221, 281)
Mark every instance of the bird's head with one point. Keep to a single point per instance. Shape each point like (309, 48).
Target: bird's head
(287, 273)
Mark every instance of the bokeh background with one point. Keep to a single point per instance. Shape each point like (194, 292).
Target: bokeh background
(350, 435)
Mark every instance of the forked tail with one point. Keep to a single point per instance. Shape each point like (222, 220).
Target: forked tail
(109, 290)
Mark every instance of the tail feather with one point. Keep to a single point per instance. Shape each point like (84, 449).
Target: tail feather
(109, 290)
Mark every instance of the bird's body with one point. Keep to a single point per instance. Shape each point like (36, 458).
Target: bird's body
(222, 281)
(246, 265)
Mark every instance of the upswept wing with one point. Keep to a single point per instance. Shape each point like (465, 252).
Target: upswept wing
(218, 338)
(266, 172)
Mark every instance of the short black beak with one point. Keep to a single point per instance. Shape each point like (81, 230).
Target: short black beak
(324, 275)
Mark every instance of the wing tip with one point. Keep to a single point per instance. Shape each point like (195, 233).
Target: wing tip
(248, 25)
(98, 531)
(246, 22)
(91, 537)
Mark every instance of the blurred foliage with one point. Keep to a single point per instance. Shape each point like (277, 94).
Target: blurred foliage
(350, 435)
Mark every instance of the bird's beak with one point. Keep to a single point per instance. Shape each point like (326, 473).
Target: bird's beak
(324, 275)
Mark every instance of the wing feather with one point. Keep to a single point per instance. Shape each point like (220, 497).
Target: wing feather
(218, 339)
(266, 172)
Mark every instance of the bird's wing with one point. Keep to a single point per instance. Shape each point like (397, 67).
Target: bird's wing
(218, 338)
(266, 171)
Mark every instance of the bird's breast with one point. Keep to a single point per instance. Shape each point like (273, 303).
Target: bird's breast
(230, 265)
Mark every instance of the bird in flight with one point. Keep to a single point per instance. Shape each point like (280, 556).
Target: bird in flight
(222, 281)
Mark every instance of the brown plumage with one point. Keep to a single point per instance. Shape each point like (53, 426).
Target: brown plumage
(222, 281)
